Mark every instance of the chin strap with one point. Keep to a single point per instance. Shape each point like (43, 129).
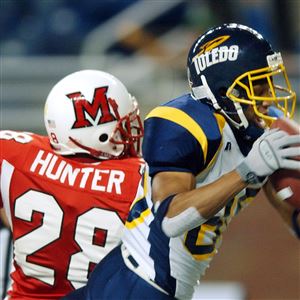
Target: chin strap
(204, 92)
(94, 152)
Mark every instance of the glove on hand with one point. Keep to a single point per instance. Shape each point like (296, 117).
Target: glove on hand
(274, 150)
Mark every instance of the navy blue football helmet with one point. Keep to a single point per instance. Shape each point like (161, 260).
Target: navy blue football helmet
(225, 63)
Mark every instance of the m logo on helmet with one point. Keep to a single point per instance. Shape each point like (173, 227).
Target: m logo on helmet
(91, 114)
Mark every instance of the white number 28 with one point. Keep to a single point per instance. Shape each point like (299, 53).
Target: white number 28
(51, 230)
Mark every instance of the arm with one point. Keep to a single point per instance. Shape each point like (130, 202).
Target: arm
(190, 207)
(208, 200)
(287, 212)
(4, 218)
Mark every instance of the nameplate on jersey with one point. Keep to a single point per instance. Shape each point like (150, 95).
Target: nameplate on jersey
(95, 178)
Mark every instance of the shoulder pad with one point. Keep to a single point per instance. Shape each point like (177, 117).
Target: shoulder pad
(181, 135)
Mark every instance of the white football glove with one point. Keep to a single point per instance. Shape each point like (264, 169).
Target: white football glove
(274, 150)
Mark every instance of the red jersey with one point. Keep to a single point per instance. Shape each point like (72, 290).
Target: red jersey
(65, 215)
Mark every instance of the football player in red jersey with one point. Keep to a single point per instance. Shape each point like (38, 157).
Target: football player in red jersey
(67, 195)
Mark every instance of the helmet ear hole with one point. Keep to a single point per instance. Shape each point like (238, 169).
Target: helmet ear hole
(103, 137)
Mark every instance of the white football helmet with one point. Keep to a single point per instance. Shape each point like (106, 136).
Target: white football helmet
(91, 112)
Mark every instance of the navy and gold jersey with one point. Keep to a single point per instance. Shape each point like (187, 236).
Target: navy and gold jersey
(183, 135)
(191, 136)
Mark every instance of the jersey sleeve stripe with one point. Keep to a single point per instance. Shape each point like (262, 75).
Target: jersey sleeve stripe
(6, 173)
(140, 205)
(221, 122)
(142, 189)
(181, 118)
(141, 219)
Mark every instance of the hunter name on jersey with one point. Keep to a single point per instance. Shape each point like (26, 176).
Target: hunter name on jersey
(53, 167)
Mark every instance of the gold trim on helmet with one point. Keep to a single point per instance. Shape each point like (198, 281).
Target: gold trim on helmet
(283, 98)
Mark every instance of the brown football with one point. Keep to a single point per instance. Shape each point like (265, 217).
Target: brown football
(287, 182)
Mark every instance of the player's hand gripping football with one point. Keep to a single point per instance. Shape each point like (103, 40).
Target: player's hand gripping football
(274, 150)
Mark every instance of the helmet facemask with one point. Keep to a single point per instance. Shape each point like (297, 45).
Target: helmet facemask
(129, 130)
(243, 93)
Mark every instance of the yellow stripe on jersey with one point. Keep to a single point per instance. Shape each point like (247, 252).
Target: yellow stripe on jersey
(135, 222)
(204, 229)
(205, 256)
(221, 121)
(245, 202)
(221, 124)
(145, 189)
(233, 207)
(184, 120)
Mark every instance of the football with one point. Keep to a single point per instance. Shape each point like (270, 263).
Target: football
(287, 182)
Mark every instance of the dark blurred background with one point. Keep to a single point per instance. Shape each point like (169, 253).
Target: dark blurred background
(145, 44)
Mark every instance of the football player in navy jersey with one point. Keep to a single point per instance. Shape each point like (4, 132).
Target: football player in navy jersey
(209, 152)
